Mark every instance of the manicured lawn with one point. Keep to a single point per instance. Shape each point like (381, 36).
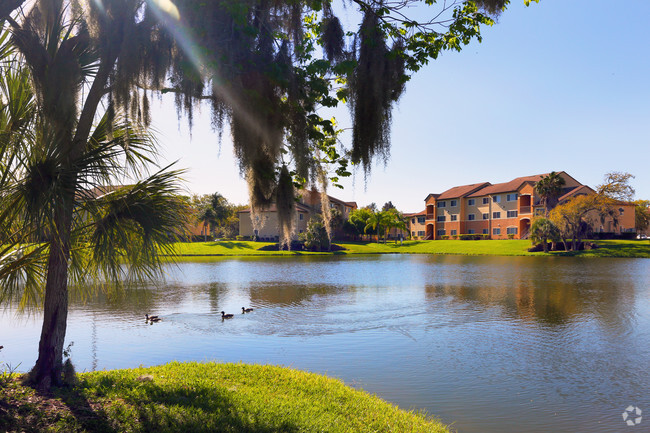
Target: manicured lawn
(608, 248)
(205, 397)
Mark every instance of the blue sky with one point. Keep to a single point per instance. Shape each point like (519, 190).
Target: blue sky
(560, 85)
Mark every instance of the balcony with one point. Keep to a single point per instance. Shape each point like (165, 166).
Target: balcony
(430, 216)
(525, 210)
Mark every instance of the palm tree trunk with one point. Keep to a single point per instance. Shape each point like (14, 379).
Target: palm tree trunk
(47, 371)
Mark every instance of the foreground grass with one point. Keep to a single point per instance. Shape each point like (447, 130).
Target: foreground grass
(608, 248)
(204, 397)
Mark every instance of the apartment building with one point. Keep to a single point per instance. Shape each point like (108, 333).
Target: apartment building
(503, 210)
(416, 223)
(309, 204)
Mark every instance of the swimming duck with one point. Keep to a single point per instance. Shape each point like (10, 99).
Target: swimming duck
(152, 318)
(226, 316)
(246, 310)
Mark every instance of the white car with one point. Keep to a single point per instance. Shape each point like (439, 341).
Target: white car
(641, 236)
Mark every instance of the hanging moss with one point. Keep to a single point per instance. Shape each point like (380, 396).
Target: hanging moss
(332, 38)
(325, 206)
(286, 205)
(377, 82)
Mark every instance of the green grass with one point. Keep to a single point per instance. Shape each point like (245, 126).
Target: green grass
(608, 248)
(205, 397)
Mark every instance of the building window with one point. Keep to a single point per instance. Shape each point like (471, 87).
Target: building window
(413, 220)
(486, 232)
(496, 199)
(454, 217)
(301, 216)
(511, 197)
(621, 210)
(441, 204)
(421, 220)
(441, 218)
(471, 202)
(413, 234)
(453, 203)
(454, 232)
(421, 233)
(300, 231)
(512, 214)
(511, 230)
(471, 217)
(486, 200)
(441, 232)
(471, 231)
(486, 216)
(496, 215)
(496, 231)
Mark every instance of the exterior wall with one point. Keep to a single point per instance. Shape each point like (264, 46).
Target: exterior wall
(270, 228)
(626, 220)
(417, 226)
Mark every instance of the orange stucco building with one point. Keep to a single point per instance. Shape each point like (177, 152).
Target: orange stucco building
(503, 210)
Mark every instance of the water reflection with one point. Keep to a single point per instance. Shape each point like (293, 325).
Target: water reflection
(493, 344)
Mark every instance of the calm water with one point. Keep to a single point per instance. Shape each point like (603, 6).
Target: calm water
(489, 344)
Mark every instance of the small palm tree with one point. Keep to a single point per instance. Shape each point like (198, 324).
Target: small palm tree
(44, 251)
(542, 230)
(549, 189)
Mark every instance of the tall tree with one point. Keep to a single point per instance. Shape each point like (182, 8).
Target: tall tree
(254, 61)
(642, 214)
(617, 186)
(73, 148)
(549, 189)
(574, 216)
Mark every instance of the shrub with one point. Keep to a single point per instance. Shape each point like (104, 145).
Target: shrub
(239, 237)
(511, 236)
(444, 237)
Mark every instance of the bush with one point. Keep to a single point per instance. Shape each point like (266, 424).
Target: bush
(444, 237)
(511, 236)
(239, 237)
(471, 237)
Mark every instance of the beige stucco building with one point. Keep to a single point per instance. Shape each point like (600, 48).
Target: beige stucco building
(309, 203)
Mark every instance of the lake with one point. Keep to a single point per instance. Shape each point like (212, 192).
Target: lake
(489, 344)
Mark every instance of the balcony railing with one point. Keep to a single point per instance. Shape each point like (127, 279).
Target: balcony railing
(429, 216)
(525, 209)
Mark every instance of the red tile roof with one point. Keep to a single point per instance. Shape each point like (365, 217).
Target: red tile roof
(511, 186)
(461, 191)
(409, 215)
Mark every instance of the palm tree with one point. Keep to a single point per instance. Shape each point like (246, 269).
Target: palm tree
(57, 230)
(549, 189)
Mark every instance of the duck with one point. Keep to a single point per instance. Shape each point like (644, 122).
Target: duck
(152, 318)
(226, 316)
(246, 310)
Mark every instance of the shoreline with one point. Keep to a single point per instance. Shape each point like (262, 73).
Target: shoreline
(204, 397)
(499, 248)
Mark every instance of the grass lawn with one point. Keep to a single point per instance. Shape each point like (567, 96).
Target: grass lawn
(204, 397)
(608, 248)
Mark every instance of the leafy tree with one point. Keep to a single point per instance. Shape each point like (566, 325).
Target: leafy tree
(387, 206)
(394, 220)
(254, 61)
(542, 230)
(315, 237)
(56, 183)
(358, 221)
(549, 189)
(573, 217)
(213, 210)
(617, 186)
(642, 214)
